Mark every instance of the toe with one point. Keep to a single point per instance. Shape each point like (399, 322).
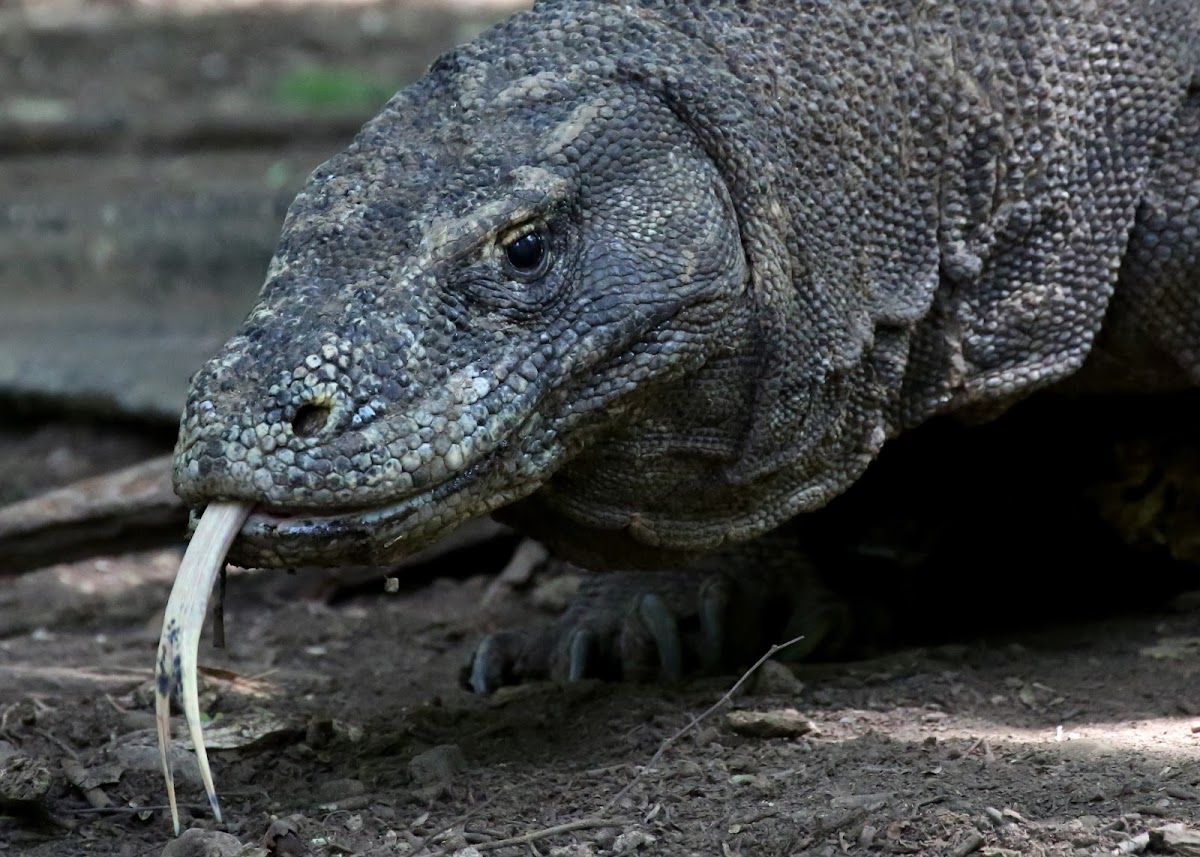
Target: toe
(580, 648)
(494, 662)
(714, 612)
(650, 646)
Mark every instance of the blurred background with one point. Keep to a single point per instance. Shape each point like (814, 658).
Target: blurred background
(148, 152)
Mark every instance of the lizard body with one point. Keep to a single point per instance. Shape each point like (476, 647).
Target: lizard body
(657, 277)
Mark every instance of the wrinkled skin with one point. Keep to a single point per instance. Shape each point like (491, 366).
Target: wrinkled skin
(775, 234)
(399, 375)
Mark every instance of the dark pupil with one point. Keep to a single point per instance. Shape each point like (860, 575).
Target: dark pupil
(525, 254)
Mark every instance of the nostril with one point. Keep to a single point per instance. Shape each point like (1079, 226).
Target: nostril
(310, 420)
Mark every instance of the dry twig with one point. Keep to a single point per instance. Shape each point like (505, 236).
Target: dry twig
(535, 835)
(696, 721)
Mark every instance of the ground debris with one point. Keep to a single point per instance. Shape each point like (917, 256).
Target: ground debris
(1176, 838)
(24, 784)
(135, 753)
(633, 840)
(780, 723)
(283, 838)
(433, 770)
(775, 679)
(195, 842)
(580, 849)
(89, 780)
(1134, 845)
(257, 728)
(545, 756)
(969, 845)
(1173, 648)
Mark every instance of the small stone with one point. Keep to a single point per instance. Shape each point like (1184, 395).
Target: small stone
(606, 836)
(577, 849)
(143, 757)
(782, 723)
(867, 835)
(631, 841)
(1176, 838)
(347, 731)
(437, 765)
(687, 768)
(209, 843)
(24, 780)
(758, 782)
(284, 839)
(333, 791)
(775, 679)
(1136, 845)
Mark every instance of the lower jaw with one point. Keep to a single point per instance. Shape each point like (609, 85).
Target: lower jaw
(275, 538)
(368, 536)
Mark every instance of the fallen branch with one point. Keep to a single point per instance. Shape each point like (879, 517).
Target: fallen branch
(130, 509)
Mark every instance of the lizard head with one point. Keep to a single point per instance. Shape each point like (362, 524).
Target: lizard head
(504, 268)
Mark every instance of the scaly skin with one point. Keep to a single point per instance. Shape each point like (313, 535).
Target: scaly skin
(777, 235)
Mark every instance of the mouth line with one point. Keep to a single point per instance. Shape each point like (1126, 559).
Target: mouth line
(268, 522)
(274, 521)
(273, 529)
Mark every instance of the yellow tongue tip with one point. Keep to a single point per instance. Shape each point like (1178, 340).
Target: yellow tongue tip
(175, 666)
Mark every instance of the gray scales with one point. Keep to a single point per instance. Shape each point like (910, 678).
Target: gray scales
(651, 279)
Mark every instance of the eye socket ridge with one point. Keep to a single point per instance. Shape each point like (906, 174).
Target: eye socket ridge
(525, 251)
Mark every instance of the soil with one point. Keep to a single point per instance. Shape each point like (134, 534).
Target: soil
(344, 725)
(340, 727)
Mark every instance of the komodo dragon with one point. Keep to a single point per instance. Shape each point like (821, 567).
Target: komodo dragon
(659, 276)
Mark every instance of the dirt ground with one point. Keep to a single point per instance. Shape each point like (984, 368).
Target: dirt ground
(344, 726)
(338, 726)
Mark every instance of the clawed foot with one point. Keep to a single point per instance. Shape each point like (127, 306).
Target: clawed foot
(645, 626)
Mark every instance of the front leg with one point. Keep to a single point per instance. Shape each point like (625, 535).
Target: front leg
(715, 615)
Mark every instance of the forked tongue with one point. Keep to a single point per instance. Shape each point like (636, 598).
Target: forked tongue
(175, 668)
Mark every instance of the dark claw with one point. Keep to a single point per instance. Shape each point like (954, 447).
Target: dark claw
(654, 620)
(647, 626)
(714, 608)
(579, 649)
(493, 661)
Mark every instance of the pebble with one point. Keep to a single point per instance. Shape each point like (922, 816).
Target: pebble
(781, 723)
(210, 843)
(333, 791)
(631, 841)
(436, 765)
(24, 780)
(143, 757)
(776, 679)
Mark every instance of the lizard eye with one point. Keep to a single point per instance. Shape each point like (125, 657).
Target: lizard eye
(527, 255)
